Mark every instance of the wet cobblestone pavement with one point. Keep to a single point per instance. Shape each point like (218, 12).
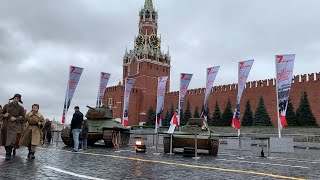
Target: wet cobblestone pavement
(101, 163)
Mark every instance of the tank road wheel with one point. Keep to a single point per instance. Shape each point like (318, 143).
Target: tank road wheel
(107, 138)
(166, 144)
(214, 147)
(66, 137)
(122, 135)
(127, 137)
(115, 137)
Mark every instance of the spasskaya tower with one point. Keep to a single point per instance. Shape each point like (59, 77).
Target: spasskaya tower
(145, 62)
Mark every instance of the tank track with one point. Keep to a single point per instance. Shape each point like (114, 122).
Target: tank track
(111, 136)
(166, 144)
(65, 136)
(214, 147)
(107, 138)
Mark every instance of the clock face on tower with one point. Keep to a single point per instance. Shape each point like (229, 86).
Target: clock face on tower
(154, 41)
(139, 41)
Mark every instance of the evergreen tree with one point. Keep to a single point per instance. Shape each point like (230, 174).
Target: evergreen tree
(261, 116)
(216, 117)
(182, 120)
(187, 113)
(304, 113)
(151, 117)
(291, 115)
(196, 112)
(247, 118)
(227, 115)
(166, 120)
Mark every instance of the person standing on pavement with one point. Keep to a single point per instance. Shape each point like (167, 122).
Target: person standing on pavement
(12, 116)
(52, 131)
(47, 132)
(31, 135)
(76, 122)
(84, 134)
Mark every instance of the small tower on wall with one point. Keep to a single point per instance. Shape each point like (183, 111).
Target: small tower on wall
(146, 62)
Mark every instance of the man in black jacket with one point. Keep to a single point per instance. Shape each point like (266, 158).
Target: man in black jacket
(76, 123)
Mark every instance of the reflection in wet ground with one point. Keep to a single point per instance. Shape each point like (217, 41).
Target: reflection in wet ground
(106, 163)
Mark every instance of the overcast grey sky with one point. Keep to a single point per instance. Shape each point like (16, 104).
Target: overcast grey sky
(39, 40)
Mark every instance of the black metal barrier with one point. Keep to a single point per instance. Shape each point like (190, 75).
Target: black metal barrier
(262, 138)
(57, 133)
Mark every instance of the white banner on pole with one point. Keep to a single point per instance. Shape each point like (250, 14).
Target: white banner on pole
(162, 81)
(243, 73)
(184, 84)
(284, 71)
(74, 77)
(104, 79)
(127, 90)
(211, 76)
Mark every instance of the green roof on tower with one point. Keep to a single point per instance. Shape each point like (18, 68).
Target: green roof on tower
(148, 5)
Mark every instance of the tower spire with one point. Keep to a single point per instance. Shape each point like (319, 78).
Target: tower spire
(148, 4)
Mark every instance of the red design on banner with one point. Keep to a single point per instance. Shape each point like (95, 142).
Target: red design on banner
(175, 119)
(203, 116)
(280, 59)
(159, 120)
(182, 76)
(283, 120)
(236, 123)
(125, 122)
(241, 64)
(63, 119)
(72, 69)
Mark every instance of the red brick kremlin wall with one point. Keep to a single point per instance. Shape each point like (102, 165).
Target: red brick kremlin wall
(253, 91)
(140, 101)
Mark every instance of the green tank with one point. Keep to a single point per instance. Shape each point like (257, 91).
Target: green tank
(181, 139)
(102, 126)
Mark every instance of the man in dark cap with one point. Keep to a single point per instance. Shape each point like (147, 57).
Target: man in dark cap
(76, 123)
(12, 116)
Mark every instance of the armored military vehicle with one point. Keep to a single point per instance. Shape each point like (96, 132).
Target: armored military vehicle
(185, 138)
(102, 126)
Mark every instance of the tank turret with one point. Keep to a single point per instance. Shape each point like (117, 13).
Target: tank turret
(99, 113)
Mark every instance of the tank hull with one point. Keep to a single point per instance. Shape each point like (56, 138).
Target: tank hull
(185, 138)
(101, 127)
(109, 132)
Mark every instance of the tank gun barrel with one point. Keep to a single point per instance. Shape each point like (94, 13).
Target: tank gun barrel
(89, 107)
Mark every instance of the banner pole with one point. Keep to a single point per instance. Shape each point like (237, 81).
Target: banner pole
(179, 106)
(279, 124)
(98, 96)
(124, 97)
(66, 98)
(156, 124)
